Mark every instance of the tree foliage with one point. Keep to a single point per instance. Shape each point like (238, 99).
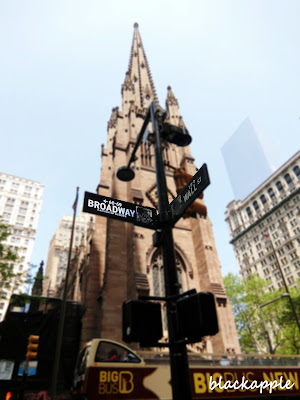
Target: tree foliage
(9, 278)
(246, 296)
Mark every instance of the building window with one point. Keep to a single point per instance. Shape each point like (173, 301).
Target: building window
(279, 187)
(249, 212)
(284, 261)
(290, 280)
(263, 199)
(256, 206)
(158, 281)
(158, 274)
(271, 193)
(22, 211)
(288, 179)
(297, 264)
(6, 215)
(294, 222)
(278, 275)
(297, 171)
(293, 255)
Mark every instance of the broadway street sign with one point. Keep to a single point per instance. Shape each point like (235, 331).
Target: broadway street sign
(189, 193)
(119, 209)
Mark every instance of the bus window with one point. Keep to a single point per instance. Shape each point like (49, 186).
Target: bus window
(111, 352)
(80, 368)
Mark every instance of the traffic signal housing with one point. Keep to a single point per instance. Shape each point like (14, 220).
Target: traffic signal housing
(197, 317)
(142, 322)
(32, 348)
(174, 134)
(197, 207)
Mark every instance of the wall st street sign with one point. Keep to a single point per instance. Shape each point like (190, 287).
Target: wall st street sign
(119, 209)
(189, 193)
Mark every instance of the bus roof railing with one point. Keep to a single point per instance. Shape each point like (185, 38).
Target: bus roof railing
(220, 359)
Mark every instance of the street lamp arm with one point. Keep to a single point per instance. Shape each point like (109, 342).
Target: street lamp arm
(141, 134)
(273, 301)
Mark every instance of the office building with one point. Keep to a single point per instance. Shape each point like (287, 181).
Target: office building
(265, 228)
(20, 204)
(57, 259)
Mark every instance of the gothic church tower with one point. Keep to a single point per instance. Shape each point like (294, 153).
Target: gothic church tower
(122, 262)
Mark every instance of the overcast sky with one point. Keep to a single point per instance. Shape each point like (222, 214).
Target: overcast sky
(62, 64)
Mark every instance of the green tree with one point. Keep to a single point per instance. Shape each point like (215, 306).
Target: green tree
(290, 331)
(246, 295)
(9, 279)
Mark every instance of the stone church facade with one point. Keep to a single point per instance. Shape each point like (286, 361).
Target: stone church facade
(121, 262)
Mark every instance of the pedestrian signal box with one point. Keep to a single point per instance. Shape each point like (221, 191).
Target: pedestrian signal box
(32, 348)
(142, 322)
(197, 316)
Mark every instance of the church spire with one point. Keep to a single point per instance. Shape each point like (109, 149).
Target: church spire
(138, 85)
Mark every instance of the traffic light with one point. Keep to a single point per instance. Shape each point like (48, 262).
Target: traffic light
(197, 316)
(33, 344)
(197, 207)
(142, 322)
(174, 134)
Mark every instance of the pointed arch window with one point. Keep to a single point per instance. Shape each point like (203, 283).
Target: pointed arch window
(158, 281)
(157, 272)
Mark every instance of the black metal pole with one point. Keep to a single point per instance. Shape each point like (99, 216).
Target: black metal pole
(63, 310)
(180, 377)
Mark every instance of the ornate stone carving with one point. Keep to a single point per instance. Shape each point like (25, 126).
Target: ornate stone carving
(112, 123)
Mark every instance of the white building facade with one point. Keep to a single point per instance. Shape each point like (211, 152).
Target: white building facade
(20, 205)
(265, 228)
(58, 253)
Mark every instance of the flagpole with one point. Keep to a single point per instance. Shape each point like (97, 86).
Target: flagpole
(63, 309)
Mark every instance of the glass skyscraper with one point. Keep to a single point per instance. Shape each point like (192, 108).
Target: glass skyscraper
(246, 162)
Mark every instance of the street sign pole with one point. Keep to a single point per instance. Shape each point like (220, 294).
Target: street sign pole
(181, 386)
